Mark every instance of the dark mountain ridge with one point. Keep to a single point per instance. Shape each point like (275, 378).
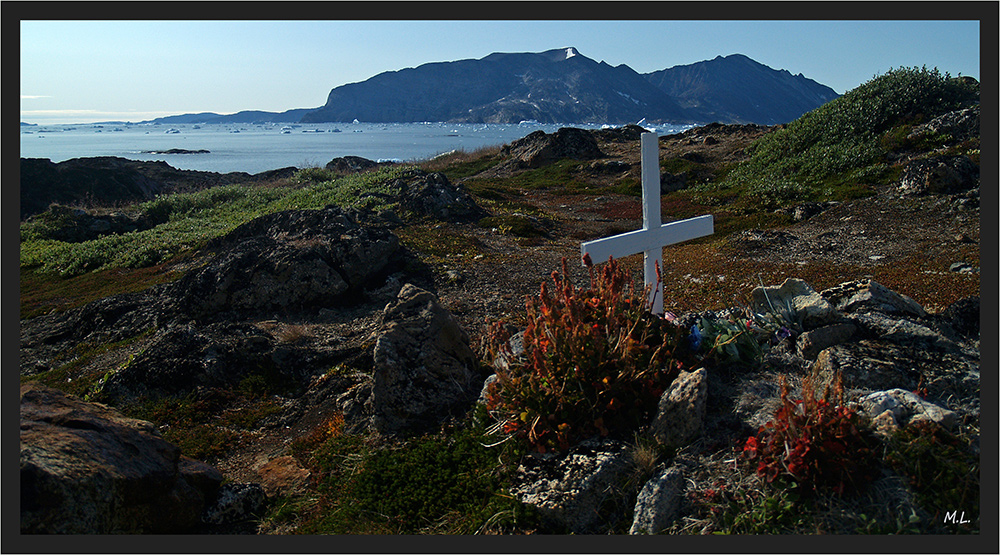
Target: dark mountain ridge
(559, 86)
(562, 85)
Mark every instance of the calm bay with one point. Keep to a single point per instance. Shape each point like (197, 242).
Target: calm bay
(255, 148)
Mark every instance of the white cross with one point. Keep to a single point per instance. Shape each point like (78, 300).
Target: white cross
(654, 234)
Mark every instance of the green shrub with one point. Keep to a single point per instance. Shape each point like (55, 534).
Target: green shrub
(837, 144)
(595, 362)
(939, 467)
(441, 483)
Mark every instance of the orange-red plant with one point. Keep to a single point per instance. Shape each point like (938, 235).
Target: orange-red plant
(595, 361)
(816, 442)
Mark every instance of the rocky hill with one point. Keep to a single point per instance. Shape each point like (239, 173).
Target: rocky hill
(736, 89)
(330, 365)
(562, 85)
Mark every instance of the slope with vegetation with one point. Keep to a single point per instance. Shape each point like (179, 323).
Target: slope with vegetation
(841, 165)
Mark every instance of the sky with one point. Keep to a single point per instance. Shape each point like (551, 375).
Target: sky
(82, 71)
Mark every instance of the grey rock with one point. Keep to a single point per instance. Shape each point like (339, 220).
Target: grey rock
(795, 302)
(432, 195)
(810, 343)
(903, 331)
(424, 365)
(681, 410)
(351, 164)
(87, 469)
(906, 406)
(290, 261)
(659, 502)
(570, 488)
(963, 315)
(961, 267)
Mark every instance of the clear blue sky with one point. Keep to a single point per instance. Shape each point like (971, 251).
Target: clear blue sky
(84, 71)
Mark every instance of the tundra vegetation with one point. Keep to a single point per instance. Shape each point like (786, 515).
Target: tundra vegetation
(595, 361)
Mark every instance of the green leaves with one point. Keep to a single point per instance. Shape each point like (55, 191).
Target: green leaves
(840, 144)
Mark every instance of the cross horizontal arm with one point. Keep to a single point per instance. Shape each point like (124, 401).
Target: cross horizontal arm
(642, 240)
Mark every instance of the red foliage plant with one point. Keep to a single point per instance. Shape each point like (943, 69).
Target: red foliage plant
(595, 361)
(817, 442)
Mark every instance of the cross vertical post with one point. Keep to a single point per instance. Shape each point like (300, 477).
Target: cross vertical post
(649, 149)
(654, 234)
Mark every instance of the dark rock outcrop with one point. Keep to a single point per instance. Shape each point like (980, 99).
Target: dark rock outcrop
(110, 180)
(351, 164)
(939, 175)
(539, 148)
(291, 260)
(86, 469)
(422, 195)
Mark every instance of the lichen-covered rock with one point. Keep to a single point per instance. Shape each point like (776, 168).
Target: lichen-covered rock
(939, 175)
(424, 365)
(658, 503)
(681, 410)
(87, 469)
(291, 261)
(867, 295)
(570, 488)
(236, 503)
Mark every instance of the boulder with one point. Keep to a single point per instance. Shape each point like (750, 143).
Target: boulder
(87, 469)
(959, 124)
(905, 407)
(351, 164)
(939, 175)
(681, 411)
(794, 302)
(569, 489)
(659, 502)
(867, 295)
(236, 503)
(963, 316)
(424, 365)
(431, 195)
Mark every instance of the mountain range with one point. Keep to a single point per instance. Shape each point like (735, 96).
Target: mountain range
(560, 86)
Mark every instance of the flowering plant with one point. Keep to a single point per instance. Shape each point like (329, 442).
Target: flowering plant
(595, 361)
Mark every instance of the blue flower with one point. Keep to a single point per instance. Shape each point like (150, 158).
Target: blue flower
(695, 338)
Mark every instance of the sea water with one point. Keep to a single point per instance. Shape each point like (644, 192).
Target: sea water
(254, 148)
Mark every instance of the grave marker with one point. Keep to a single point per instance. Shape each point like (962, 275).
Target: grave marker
(654, 234)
